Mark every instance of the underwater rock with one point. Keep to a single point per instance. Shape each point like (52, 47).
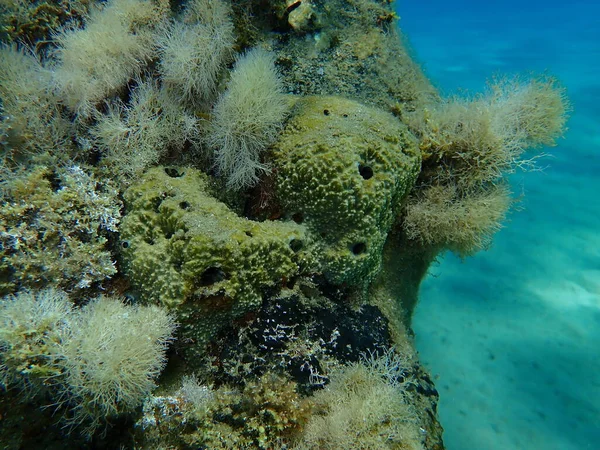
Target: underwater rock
(293, 299)
(355, 50)
(274, 380)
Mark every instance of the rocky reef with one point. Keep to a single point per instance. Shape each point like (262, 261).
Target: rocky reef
(216, 215)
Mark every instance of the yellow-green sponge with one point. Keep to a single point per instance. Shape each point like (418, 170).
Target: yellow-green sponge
(184, 249)
(343, 169)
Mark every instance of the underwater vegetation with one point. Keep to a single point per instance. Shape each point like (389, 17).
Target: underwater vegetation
(215, 217)
(99, 360)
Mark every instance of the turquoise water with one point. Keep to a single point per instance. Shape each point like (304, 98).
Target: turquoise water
(513, 333)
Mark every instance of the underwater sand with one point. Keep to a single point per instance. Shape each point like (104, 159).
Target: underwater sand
(513, 334)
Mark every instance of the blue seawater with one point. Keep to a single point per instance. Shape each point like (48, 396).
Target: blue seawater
(513, 333)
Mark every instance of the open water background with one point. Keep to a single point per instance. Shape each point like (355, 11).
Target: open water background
(513, 334)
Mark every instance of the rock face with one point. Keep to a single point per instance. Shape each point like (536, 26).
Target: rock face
(280, 330)
(282, 377)
(269, 308)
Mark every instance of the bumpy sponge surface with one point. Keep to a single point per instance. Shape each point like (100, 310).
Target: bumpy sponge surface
(184, 249)
(343, 169)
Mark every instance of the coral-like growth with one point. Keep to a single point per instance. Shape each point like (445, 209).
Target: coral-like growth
(468, 147)
(111, 358)
(53, 229)
(269, 410)
(196, 395)
(247, 118)
(479, 141)
(533, 112)
(34, 22)
(94, 62)
(439, 218)
(214, 13)
(266, 413)
(98, 361)
(193, 53)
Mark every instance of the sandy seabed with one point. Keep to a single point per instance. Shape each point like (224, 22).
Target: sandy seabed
(512, 334)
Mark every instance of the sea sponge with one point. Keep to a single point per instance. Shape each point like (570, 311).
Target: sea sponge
(94, 62)
(343, 169)
(186, 250)
(247, 118)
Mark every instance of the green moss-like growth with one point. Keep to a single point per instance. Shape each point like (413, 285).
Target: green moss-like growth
(343, 169)
(31, 326)
(366, 406)
(53, 228)
(351, 48)
(111, 358)
(35, 21)
(32, 126)
(263, 414)
(93, 363)
(184, 249)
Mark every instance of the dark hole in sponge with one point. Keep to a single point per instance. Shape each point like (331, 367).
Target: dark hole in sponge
(359, 248)
(365, 171)
(212, 275)
(296, 245)
(54, 179)
(298, 217)
(326, 112)
(173, 173)
(184, 205)
(125, 244)
(156, 203)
